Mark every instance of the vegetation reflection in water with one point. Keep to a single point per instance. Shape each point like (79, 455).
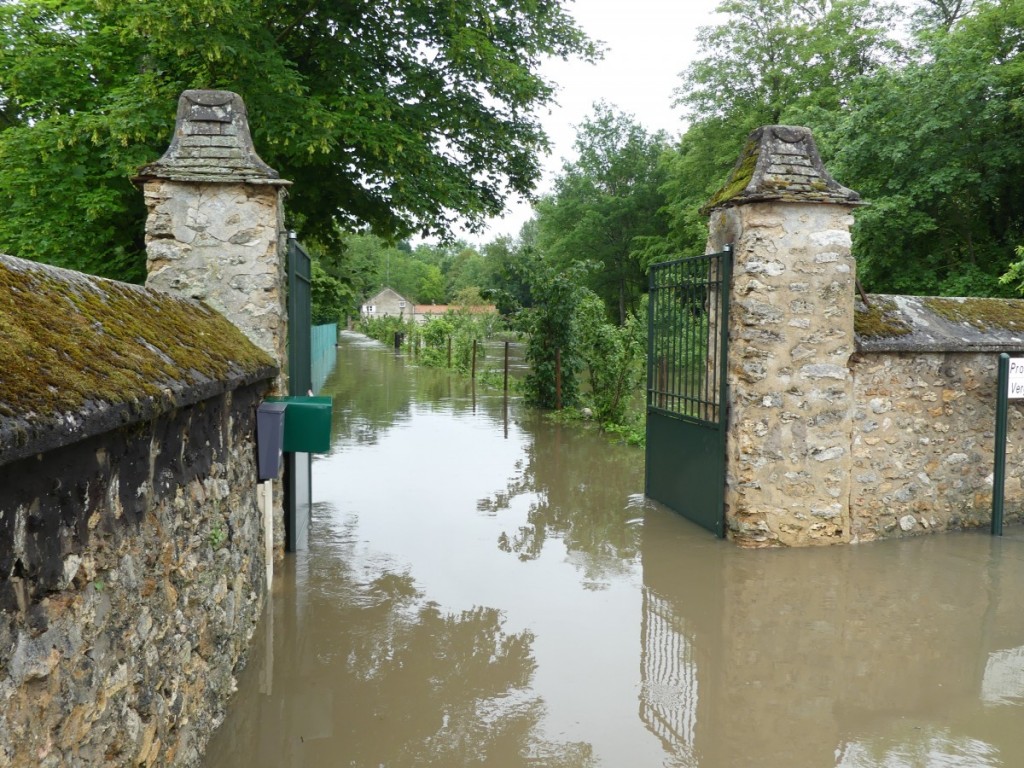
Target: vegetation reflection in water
(476, 599)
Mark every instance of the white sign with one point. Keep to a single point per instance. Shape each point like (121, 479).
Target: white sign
(1015, 382)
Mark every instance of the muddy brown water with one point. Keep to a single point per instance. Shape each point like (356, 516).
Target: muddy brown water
(491, 591)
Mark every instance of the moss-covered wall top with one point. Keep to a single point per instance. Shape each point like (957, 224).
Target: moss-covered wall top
(939, 324)
(82, 355)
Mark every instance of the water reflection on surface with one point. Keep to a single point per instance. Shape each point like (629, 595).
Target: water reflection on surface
(485, 588)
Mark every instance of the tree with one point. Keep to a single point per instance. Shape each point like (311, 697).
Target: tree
(401, 115)
(331, 299)
(768, 62)
(941, 14)
(553, 345)
(510, 265)
(605, 203)
(937, 147)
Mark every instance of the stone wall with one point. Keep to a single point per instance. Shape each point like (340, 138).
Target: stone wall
(791, 337)
(136, 579)
(131, 546)
(849, 420)
(215, 229)
(923, 444)
(221, 244)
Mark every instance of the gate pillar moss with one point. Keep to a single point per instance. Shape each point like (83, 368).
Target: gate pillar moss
(791, 313)
(215, 227)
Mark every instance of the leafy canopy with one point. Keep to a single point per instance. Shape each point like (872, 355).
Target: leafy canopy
(400, 115)
(768, 62)
(606, 205)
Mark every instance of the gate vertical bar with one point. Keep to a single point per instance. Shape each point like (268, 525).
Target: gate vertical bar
(999, 472)
(300, 319)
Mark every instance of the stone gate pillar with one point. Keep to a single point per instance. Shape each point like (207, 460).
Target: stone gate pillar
(788, 459)
(215, 229)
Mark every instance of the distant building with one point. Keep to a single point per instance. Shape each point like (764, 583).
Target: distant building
(387, 303)
(390, 303)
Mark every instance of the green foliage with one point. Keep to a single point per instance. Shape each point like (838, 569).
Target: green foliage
(218, 534)
(332, 300)
(461, 328)
(510, 262)
(1015, 274)
(616, 359)
(937, 146)
(436, 334)
(431, 286)
(606, 204)
(774, 58)
(552, 329)
(768, 62)
(402, 116)
(383, 329)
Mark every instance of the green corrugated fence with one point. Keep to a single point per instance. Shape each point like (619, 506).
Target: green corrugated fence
(324, 353)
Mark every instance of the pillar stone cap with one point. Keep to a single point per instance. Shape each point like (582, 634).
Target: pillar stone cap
(780, 163)
(211, 144)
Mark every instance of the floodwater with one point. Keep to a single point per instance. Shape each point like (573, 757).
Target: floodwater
(491, 591)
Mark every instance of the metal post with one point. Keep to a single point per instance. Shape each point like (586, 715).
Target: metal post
(449, 351)
(472, 371)
(999, 475)
(268, 530)
(506, 371)
(558, 379)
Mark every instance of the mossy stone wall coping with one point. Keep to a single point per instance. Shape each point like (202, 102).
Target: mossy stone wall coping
(84, 355)
(939, 324)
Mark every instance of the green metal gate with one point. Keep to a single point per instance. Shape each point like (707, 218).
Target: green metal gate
(686, 386)
(299, 466)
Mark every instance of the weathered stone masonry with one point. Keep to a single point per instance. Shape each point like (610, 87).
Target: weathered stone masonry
(848, 422)
(215, 230)
(131, 567)
(791, 338)
(923, 441)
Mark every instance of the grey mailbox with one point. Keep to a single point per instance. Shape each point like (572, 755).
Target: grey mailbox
(270, 439)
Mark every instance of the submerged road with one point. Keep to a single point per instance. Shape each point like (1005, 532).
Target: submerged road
(484, 588)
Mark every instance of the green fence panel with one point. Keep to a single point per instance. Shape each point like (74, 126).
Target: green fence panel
(324, 351)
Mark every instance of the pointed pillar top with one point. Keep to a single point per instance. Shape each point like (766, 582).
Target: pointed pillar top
(211, 143)
(781, 162)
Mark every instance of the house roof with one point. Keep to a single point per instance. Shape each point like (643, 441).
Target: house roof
(83, 355)
(375, 299)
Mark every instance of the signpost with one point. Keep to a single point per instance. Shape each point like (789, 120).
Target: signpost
(1010, 387)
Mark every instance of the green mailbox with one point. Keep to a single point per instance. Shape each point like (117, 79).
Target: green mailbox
(307, 424)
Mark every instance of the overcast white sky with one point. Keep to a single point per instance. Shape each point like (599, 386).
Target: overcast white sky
(648, 43)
